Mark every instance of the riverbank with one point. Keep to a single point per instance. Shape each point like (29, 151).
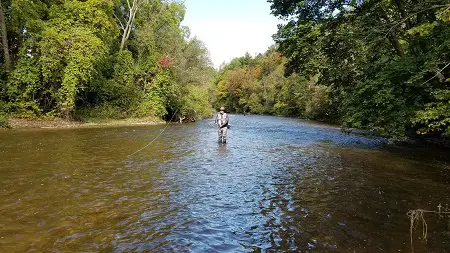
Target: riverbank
(18, 123)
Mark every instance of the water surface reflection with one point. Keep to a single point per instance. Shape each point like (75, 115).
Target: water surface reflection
(278, 184)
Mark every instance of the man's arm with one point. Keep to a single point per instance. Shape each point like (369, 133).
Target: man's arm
(216, 120)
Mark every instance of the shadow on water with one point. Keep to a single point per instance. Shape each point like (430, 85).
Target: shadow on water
(279, 184)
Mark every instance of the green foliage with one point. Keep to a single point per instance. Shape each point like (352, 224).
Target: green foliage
(319, 103)
(292, 97)
(24, 83)
(436, 115)
(258, 85)
(4, 123)
(380, 65)
(195, 103)
(60, 45)
(69, 58)
(124, 93)
(102, 111)
(68, 61)
(160, 93)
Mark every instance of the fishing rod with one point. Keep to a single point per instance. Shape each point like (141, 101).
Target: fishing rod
(160, 133)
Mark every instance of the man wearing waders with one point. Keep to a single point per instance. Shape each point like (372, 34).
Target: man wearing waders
(222, 123)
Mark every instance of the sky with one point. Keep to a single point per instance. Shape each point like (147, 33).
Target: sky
(230, 28)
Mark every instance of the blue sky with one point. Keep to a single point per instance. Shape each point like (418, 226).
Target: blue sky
(229, 28)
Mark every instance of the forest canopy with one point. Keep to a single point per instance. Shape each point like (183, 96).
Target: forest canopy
(384, 63)
(101, 58)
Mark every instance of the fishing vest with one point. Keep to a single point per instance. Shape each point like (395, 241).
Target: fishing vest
(220, 118)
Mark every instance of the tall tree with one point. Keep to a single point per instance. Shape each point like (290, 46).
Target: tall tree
(126, 15)
(380, 59)
(4, 33)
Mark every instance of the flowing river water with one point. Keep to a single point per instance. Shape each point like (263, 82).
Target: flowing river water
(278, 185)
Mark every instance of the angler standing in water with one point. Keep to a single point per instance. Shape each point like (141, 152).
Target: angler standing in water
(222, 123)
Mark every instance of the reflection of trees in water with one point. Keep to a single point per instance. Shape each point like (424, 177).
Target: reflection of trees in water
(395, 183)
(292, 202)
(79, 184)
(349, 200)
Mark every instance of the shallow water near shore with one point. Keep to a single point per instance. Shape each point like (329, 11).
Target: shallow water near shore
(279, 184)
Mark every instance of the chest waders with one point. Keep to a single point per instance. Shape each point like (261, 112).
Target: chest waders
(221, 118)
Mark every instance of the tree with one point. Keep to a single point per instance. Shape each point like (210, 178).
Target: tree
(126, 14)
(4, 33)
(102, 58)
(375, 58)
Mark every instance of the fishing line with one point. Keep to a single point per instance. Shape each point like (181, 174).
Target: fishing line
(160, 133)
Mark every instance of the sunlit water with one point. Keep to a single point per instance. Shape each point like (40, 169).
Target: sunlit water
(278, 185)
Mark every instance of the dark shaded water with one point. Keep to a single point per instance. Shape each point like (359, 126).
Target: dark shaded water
(279, 185)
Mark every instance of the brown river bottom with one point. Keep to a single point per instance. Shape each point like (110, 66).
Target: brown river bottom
(278, 185)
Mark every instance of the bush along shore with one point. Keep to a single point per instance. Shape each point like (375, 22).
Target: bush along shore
(91, 61)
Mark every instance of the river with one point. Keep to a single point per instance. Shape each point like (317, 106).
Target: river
(278, 185)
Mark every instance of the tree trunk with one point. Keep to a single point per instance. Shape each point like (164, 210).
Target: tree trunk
(403, 13)
(396, 44)
(392, 37)
(4, 33)
(133, 8)
(126, 29)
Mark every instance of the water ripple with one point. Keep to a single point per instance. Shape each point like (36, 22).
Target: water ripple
(278, 185)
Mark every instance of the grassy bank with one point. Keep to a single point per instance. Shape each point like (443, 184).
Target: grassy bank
(15, 122)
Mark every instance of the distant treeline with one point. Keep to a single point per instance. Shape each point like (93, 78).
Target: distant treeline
(101, 59)
(259, 85)
(374, 64)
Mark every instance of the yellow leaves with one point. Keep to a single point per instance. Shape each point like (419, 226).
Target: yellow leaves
(444, 15)
(255, 72)
(422, 30)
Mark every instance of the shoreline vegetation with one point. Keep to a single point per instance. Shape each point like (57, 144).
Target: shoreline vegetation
(378, 66)
(108, 60)
(60, 123)
(98, 59)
